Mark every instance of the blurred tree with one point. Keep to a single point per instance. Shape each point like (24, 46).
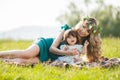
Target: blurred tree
(116, 24)
(72, 16)
(108, 18)
(107, 15)
(87, 2)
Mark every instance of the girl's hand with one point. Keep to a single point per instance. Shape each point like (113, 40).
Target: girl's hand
(73, 52)
(86, 43)
(66, 48)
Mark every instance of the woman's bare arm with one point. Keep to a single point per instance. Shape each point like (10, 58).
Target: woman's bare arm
(56, 43)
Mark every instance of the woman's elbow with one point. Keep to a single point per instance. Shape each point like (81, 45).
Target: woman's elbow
(51, 49)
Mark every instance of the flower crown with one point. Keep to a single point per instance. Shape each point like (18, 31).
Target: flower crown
(92, 28)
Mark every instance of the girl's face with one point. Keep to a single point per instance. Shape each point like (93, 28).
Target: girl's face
(71, 40)
(82, 30)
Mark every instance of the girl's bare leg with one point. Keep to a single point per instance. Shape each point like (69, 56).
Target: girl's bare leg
(30, 52)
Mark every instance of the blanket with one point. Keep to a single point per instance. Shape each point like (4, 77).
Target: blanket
(104, 64)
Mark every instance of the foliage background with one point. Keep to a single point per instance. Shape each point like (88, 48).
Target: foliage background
(108, 16)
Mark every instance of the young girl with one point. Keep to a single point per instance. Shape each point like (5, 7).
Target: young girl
(71, 41)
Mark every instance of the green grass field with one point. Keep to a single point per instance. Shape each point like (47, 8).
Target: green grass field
(110, 49)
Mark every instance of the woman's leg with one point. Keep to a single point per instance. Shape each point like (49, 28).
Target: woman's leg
(30, 52)
(21, 61)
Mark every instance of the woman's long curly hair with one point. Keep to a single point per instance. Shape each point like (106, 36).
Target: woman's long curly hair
(94, 48)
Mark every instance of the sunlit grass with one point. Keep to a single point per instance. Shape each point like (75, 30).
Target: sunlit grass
(10, 44)
(110, 48)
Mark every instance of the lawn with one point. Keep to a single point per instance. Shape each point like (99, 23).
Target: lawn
(110, 48)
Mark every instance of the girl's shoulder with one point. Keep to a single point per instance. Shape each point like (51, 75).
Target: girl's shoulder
(78, 45)
(75, 46)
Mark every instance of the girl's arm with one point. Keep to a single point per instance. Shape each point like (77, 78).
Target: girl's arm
(54, 47)
(64, 47)
(84, 51)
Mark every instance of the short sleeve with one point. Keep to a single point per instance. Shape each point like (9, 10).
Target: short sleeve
(62, 47)
(79, 47)
(65, 27)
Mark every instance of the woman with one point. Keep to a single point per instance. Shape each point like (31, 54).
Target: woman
(45, 49)
(87, 29)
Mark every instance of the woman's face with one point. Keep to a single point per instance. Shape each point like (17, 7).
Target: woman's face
(82, 30)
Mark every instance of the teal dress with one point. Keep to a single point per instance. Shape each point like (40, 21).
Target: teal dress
(44, 45)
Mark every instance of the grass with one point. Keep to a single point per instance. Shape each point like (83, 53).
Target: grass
(110, 48)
